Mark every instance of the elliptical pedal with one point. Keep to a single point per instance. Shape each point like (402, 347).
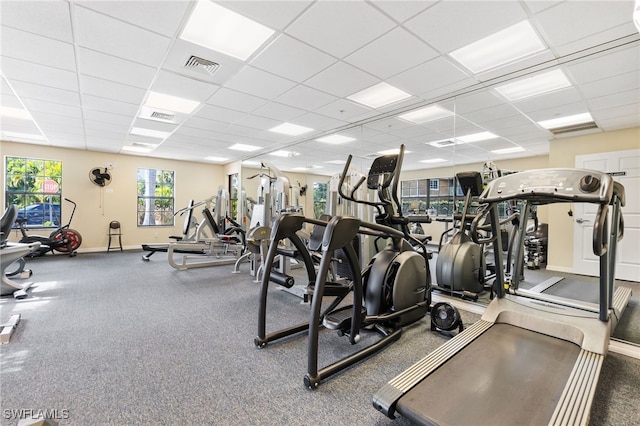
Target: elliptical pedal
(340, 319)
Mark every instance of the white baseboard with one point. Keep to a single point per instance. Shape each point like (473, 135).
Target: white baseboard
(559, 269)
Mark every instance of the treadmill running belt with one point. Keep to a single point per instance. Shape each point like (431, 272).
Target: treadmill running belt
(507, 376)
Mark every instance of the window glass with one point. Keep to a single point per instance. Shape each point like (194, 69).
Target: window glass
(155, 197)
(35, 187)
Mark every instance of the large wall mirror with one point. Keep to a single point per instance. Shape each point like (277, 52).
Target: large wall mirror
(472, 126)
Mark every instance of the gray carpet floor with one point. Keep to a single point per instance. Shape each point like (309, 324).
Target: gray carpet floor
(107, 339)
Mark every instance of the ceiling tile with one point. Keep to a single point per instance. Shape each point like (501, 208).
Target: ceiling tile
(110, 68)
(341, 80)
(44, 93)
(278, 111)
(109, 105)
(57, 108)
(292, 59)
(401, 10)
(44, 75)
(564, 24)
(305, 98)
(235, 100)
(440, 26)
(34, 48)
(46, 18)
(109, 89)
(340, 28)
(259, 83)
(162, 17)
(441, 73)
(111, 36)
(394, 52)
(342, 109)
(273, 14)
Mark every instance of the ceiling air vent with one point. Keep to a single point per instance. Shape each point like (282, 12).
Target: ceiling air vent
(195, 62)
(574, 128)
(162, 116)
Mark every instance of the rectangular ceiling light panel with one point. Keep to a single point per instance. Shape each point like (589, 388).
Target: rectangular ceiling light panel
(509, 150)
(533, 86)
(566, 121)
(336, 139)
(380, 95)
(509, 45)
(217, 28)
(423, 115)
(244, 147)
(171, 103)
(141, 131)
(290, 129)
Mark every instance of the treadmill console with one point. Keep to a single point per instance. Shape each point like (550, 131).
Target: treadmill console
(544, 186)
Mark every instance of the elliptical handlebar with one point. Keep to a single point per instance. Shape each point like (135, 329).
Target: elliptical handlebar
(351, 196)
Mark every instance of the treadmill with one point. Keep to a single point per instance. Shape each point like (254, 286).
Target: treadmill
(532, 358)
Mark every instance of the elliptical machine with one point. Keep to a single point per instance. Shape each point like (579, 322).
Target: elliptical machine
(63, 239)
(392, 291)
(461, 265)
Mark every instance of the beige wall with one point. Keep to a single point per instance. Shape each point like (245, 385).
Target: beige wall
(562, 153)
(117, 201)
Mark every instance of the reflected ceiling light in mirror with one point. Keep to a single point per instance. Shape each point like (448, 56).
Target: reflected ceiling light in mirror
(442, 143)
(171, 103)
(336, 139)
(476, 137)
(380, 95)
(215, 27)
(10, 112)
(138, 149)
(141, 131)
(509, 45)
(534, 86)
(283, 153)
(393, 151)
(569, 120)
(290, 129)
(433, 160)
(216, 159)
(301, 169)
(244, 147)
(509, 150)
(423, 115)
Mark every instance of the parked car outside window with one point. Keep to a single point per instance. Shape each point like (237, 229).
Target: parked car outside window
(41, 214)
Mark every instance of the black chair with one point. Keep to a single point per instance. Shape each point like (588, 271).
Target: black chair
(115, 231)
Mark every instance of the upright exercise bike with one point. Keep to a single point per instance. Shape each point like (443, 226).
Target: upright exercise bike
(392, 291)
(63, 240)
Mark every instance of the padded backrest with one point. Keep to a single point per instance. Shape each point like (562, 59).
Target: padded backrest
(114, 224)
(211, 221)
(6, 222)
(187, 219)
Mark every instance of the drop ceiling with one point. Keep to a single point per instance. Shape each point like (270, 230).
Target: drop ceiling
(84, 71)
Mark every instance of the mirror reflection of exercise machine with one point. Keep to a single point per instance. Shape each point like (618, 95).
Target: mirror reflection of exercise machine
(276, 196)
(537, 352)
(207, 243)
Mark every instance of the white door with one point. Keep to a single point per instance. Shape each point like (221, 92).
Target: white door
(624, 166)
